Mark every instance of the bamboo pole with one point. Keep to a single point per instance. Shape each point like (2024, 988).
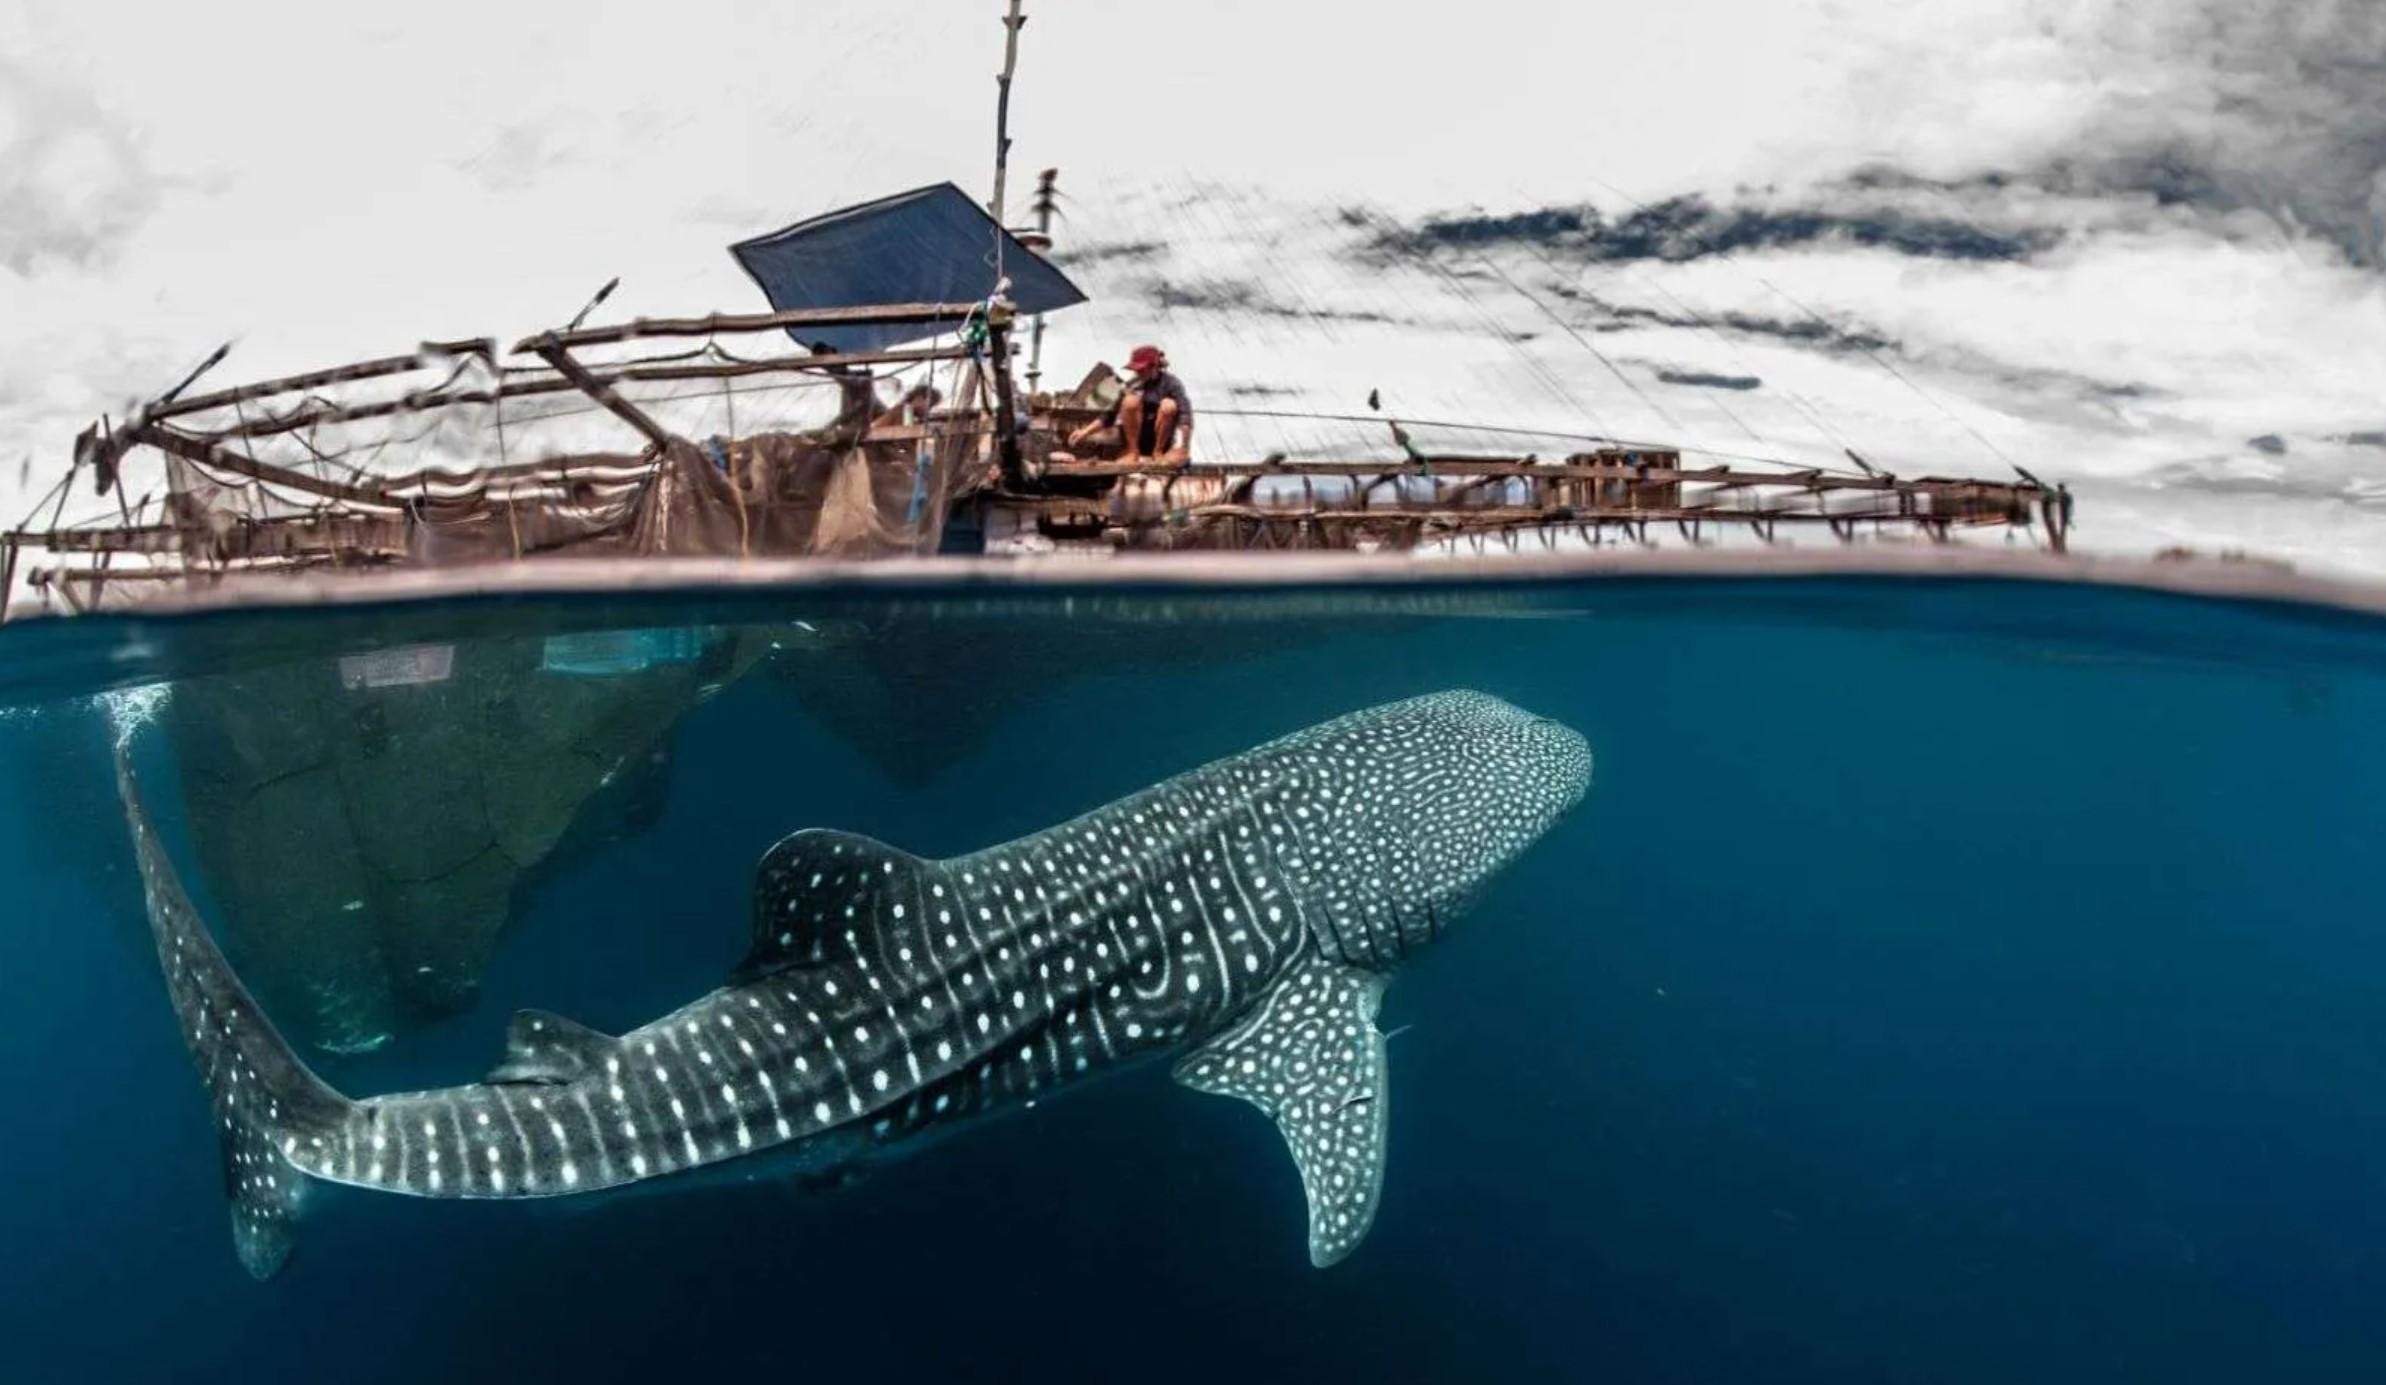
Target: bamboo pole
(555, 355)
(1995, 493)
(314, 414)
(326, 527)
(1487, 518)
(357, 370)
(890, 314)
(207, 453)
(1012, 23)
(1046, 190)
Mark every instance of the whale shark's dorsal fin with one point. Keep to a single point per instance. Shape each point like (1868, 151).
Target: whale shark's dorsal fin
(544, 1049)
(817, 887)
(1311, 1058)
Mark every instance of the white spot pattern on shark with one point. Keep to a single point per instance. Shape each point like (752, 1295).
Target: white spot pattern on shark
(1244, 916)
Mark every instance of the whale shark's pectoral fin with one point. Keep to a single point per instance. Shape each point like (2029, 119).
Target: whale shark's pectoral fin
(1311, 1058)
(819, 889)
(543, 1049)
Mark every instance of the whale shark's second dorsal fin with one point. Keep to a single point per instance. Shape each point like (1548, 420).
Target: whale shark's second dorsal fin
(1311, 1058)
(541, 1048)
(818, 887)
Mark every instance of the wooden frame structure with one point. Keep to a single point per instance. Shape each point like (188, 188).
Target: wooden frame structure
(988, 453)
(1011, 471)
(1597, 497)
(360, 521)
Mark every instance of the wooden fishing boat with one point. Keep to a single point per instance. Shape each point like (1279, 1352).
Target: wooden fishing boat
(679, 437)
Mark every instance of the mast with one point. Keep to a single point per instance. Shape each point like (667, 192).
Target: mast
(1012, 22)
(998, 308)
(1041, 243)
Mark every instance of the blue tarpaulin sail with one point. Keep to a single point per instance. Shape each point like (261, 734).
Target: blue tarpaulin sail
(929, 245)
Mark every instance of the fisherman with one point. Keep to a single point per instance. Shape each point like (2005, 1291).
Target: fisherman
(857, 399)
(1153, 419)
(913, 409)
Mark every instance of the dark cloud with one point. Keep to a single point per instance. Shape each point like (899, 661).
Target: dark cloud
(1546, 226)
(2298, 483)
(2269, 443)
(1107, 252)
(1703, 380)
(2248, 114)
(2228, 107)
(1690, 228)
(2366, 439)
(2265, 105)
(1615, 316)
(1211, 295)
(1241, 296)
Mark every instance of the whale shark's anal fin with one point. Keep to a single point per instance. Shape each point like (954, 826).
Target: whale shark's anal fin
(543, 1049)
(1311, 1058)
(817, 887)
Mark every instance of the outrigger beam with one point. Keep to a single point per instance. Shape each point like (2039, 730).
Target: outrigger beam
(360, 370)
(754, 322)
(553, 353)
(310, 415)
(209, 454)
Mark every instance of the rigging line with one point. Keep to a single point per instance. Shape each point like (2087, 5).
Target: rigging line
(1532, 362)
(1786, 297)
(1417, 422)
(1584, 342)
(1324, 321)
(262, 490)
(1548, 374)
(46, 497)
(1193, 205)
(319, 455)
(1285, 327)
(697, 393)
(1550, 263)
(1815, 418)
(1831, 436)
(1884, 363)
(311, 398)
(1423, 310)
(1545, 433)
(240, 416)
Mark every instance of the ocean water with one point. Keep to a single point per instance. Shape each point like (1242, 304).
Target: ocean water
(1943, 981)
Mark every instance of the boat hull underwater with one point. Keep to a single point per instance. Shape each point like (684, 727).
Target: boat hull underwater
(1242, 918)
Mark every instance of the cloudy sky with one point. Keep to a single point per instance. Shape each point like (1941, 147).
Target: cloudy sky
(2138, 246)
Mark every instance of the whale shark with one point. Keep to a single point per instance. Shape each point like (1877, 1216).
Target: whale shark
(1242, 919)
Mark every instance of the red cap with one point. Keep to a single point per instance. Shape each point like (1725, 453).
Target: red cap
(1144, 359)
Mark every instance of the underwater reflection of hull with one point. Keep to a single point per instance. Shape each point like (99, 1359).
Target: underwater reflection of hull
(367, 827)
(914, 695)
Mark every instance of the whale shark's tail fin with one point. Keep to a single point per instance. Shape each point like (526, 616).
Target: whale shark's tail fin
(269, 1108)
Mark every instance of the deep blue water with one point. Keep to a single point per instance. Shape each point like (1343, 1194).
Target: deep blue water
(1943, 982)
